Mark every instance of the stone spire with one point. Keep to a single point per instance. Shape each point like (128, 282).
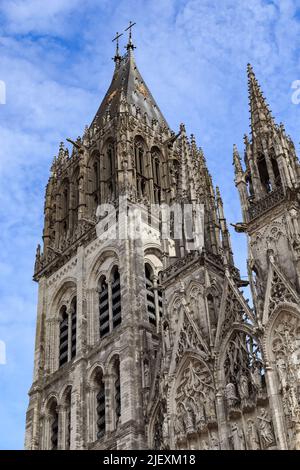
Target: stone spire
(261, 117)
(224, 230)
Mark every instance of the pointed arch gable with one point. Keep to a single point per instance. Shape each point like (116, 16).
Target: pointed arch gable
(279, 290)
(95, 270)
(64, 293)
(281, 309)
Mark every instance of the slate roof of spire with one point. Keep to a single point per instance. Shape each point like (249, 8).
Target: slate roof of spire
(127, 79)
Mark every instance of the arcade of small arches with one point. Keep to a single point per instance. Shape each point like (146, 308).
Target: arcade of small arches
(106, 306)
(82, 191)
(103, 408)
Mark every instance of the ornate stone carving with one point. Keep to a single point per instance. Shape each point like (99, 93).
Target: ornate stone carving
(266, 429)
(244, 373)
(194, 400)
(279, 293)
(286, 350)
(252, 435)
(237, 437)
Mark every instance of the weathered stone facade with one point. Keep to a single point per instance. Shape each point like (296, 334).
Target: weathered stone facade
(145, 343)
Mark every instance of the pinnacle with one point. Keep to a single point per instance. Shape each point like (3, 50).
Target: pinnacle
(259, 108)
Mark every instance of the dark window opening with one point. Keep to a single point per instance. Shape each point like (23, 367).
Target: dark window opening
(150, 295)
(100, 398)
(263, 173)
(117, 391)
(116, 298)
(74, 327)
(54, 426)
(63, 337)
(103, 308)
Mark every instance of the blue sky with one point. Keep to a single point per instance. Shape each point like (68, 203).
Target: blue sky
(55, 58)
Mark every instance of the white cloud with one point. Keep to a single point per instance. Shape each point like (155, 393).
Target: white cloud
(38, 16)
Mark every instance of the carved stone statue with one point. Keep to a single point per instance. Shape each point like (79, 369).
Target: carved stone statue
(252, 435)
(215, 445)
(256, 378)
(266, 429)
(238, 438)
(146, 374)
(231, 396)
(179, 425)
(243, 387)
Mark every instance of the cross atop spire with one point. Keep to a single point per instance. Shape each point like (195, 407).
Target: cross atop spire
(130, 45)
(261, 117)
(117, 56)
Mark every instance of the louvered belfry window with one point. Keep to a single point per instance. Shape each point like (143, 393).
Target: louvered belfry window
(117, 391)
(103, 307)
(109, 302)
(100, 397)
(63, 336)
(150, 297)
(54, 426)
(116, 298)
(67, 333)
(73, 327)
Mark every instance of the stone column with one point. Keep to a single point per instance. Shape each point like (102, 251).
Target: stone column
(222, 422)
(81, 323)
(77, 407)
(91, 413)
(155, 279)
(110, 401)
(276, 407)
(40, 329)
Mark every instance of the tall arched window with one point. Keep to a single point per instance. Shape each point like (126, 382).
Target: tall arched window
(75, 198)
(140, 165)
(156, 172)
(276, 172)
(151, 309)
(100, 406)
(73, 314)
(211, 310)
(65, 205)
(67, 333)
(110, 315)
(117, 391)
(67, 420)
(53, 422)
(116, 297)
(103, 307)
(94, 182)
(63, 336)
(263, 173)
(110, 170)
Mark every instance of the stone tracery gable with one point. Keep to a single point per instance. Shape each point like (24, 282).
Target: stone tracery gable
(195, 418)
(189, 339)
(234, 310)
(279, 291)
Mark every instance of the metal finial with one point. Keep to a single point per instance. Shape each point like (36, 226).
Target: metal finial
(130, 44)
(117, 54)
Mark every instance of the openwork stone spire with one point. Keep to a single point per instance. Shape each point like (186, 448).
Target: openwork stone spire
(261, 117)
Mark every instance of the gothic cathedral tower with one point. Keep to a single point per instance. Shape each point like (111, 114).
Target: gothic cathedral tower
(146, 342)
